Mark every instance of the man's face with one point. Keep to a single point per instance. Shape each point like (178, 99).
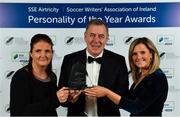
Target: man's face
(96, 37)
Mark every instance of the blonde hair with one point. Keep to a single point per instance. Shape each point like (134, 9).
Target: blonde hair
(155, 61)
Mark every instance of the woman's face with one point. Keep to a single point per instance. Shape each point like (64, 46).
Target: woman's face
(141, 56)
(41, 54)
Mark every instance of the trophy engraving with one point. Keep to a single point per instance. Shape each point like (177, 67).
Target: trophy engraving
(77, 79)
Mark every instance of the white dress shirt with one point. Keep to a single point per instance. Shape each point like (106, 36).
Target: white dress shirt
(93, 70)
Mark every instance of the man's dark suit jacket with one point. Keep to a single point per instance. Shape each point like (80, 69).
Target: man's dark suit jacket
(113, 75)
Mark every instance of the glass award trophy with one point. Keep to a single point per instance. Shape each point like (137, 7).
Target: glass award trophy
(77, 79)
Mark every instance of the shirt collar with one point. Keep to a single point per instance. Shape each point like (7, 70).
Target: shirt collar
(88, 54)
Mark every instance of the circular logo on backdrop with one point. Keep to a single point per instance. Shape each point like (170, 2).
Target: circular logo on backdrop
(69, 40)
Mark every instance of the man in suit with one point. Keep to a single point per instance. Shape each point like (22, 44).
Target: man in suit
(103, 67)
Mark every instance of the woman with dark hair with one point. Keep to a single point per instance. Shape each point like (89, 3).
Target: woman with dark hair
(149, 90)
(33, 88)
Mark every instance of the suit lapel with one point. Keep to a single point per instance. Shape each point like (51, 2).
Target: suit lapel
(82, 57)
(103, 69)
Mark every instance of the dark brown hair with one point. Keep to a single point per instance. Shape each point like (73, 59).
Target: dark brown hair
(35, 39)
(97, 22)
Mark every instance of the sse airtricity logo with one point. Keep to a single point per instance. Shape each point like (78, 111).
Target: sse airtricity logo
(15, 40)
(165, 40)
(7, 108)
(9, 74)
(19, 56)
(70, 40)
(128, 40)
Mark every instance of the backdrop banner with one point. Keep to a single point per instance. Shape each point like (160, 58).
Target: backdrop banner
(65, 24)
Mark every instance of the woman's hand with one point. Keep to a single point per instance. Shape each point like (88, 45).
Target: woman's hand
(63, 94)
(97, 91)
(74, 95)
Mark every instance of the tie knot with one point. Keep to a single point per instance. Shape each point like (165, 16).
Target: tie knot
(98, 60)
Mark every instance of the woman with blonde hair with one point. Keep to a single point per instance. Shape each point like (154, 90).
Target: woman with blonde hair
(149, 90)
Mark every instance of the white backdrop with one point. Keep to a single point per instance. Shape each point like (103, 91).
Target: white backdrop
(14, 47)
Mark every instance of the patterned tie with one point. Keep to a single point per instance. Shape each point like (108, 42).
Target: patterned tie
(98, 60)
